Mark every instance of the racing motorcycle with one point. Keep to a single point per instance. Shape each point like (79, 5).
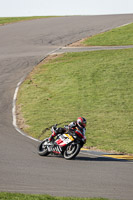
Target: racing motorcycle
(67, 144)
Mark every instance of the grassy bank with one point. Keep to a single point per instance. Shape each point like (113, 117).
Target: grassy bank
(17, 196)
(118, 36)
(7, 20)
(97, 85)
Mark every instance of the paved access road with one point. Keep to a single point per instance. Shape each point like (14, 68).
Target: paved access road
(22, 46)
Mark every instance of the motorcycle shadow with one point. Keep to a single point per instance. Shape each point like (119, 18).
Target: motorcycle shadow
(88, 158)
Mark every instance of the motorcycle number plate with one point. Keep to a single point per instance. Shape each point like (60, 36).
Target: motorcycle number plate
(69, 136)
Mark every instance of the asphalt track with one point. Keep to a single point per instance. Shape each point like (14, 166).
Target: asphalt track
(22, 46)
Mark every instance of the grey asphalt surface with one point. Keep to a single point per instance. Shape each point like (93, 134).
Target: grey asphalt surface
(22, 46)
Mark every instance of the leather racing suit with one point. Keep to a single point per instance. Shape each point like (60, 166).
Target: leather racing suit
(73, 127)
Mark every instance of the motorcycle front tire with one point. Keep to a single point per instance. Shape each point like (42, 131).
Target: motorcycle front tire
(42, 149)
(71, 151)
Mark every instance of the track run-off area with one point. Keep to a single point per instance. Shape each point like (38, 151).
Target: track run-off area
(92, 174)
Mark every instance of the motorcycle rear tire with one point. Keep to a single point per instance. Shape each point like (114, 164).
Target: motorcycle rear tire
(75, 151)
(42, 149)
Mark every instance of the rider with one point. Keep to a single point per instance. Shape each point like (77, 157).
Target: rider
(78, 127)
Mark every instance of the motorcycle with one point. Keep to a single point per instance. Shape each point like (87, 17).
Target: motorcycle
(68, 145)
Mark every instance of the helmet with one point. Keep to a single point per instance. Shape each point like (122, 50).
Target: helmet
(81, 121)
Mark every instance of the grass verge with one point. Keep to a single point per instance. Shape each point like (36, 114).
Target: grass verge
(97, 85)
(118, 36)
(17, 196)
(7, 20)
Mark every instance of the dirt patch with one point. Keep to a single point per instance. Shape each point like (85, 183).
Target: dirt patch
(20, 119)
(78, 43)
(49, 58)
(44, 61)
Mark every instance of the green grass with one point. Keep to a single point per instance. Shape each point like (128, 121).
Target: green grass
(7, 20)
(17, 196)
(118, 36)
(97, 85)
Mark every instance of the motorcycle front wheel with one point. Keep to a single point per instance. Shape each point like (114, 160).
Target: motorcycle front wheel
(42, 148)
(71, 151)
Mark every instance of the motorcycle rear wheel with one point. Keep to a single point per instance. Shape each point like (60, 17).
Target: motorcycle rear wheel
(71, 151)
(42, 149)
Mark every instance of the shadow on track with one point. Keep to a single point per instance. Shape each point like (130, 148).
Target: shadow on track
(86, 158)
(89, 159)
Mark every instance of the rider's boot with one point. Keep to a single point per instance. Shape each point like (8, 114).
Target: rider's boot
(51, 138)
